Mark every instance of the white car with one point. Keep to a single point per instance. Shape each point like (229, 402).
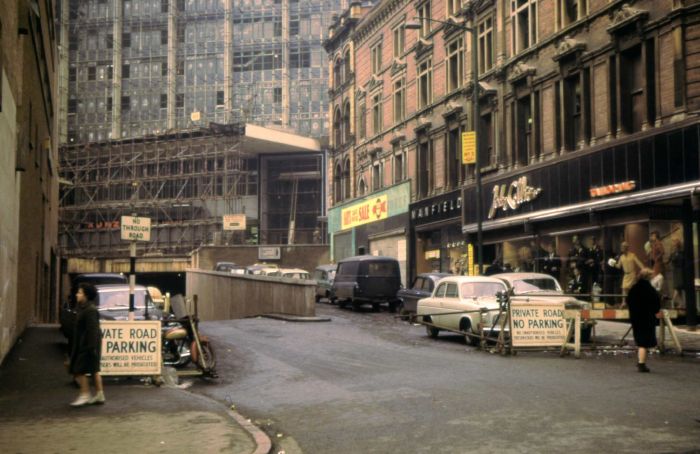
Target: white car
(466, 304)
(294, 273)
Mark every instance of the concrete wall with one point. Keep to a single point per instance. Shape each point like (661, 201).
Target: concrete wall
(223, 296)
(306, 257)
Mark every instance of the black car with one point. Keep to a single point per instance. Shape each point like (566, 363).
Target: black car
(422, 287)
(366, 279)
(67, 314)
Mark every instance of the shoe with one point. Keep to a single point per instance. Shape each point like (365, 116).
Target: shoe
(97, 399)
(82, 400)
(641, 367)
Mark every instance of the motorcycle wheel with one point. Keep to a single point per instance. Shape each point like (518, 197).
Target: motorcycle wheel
(208, 356)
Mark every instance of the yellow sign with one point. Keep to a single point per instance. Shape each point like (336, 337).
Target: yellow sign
(130, 347)
(470, 259)
(469, 147)
(234, 222)
(537, 324)
(367, 211)
(434, 254)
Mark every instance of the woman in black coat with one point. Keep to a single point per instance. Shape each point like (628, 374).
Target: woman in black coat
(644, 305)
(87, 344)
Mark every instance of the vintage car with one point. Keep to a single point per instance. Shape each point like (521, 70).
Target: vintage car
(466, 304)
(422, 287)
(230, 267)
(262, 269)
(324, 275)
(543, 287)
(293, 273)
(366, 279)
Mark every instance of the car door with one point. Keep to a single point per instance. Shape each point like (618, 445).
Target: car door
(437, 305)
(411, 295)
(452, 306)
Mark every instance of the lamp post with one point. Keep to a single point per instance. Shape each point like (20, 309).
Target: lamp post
(475, 119)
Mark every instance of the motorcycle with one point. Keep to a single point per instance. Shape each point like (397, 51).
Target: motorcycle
(183, 344)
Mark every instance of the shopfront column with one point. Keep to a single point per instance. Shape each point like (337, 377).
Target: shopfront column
(691, 213)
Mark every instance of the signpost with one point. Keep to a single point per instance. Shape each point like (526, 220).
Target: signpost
(131, 348)
(134, 229)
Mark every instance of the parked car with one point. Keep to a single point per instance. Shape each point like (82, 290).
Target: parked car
(113, 303)
(324, 275)
(67, 313)
(230, 267)
(293, 273)
(422, 287)
(449, 306)
(543, 287)
(366, 279)
(261, 269)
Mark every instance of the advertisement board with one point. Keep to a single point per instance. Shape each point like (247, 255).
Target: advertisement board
(539, 324)
(367, 211)
(234, 222)
(131, 347)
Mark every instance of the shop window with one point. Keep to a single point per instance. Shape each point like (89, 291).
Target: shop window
(399, 100)
(376, 58)
(455, 64)
(569, 11)
(523, 17)
(377, 114)
(424, 19)
(399, 35)
(485, 32)
(425, 83)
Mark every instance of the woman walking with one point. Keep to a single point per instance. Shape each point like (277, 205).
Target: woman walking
(644, 306)
(87, 344)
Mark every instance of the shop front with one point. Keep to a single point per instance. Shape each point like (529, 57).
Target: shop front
(436, 239)
(374, 225)
(592, 219)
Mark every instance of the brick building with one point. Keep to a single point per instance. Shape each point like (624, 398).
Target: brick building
(588, 131)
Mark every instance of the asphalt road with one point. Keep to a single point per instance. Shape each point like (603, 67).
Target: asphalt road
(368, 383)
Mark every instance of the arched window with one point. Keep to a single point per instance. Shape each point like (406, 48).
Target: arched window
(361, 187)
(346, 180)
(338, 73)
(337, 128)
(338, 183)
(347, 65)
(346, 122)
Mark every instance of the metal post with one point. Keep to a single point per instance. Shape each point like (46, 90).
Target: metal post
(477, 170)
(132, 278)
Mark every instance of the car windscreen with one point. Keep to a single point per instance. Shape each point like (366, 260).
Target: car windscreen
(331, 275)
(535, 285)
(113, 299)
(479, 289)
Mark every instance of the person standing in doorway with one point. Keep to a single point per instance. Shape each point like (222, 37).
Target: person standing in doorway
(629, 263)
(645, 307)
(86, 349)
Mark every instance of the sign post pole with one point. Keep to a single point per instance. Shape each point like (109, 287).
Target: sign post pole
(134, 229)
(132, 278)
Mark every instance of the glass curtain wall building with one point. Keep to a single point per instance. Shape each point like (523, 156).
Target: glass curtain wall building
(134, 68)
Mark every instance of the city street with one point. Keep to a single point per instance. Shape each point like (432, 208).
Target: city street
(366, 382)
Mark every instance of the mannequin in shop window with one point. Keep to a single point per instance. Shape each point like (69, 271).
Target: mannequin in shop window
(655, 251)
(551, 263)
(630, 266)
(677, 262)
(577, 284)
(577, 253)
(594, 262)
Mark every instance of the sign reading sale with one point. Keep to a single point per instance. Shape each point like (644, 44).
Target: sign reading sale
(367, 211)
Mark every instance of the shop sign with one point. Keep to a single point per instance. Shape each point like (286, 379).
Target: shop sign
(234, 222)
(438, 209)
(130, 347)
(537, 324)
(511, 196)
(367, 211)
(434, 254)
(602, 191)
(470, 259)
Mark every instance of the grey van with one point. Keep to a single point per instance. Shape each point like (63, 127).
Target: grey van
(366, 279)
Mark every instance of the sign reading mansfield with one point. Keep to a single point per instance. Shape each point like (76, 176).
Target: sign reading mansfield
(130, 347)
(537, 325)
(136, 229)
(364, 212)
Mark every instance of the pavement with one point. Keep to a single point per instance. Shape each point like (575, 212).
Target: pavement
(35, 416)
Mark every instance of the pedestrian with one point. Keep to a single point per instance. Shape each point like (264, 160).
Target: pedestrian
(629, 263)
(645, 307)
(86, 346)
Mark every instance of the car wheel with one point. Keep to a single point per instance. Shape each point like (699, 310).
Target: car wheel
(392, 306)
(469, 338)
(341, 303)
(355, 305)
(431, 330)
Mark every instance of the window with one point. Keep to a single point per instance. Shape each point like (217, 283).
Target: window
(337, 183)
(126, 40)
(376, 58)
(399, 34)
(451, 291)
(347, 132)
(109, 104)
(455, 64)
(425, 83)
(347, 65)
(399, 100)
(485, 31)
(486, 151)
(109, 41)
(424, 168)
(72, 106)
(362, 120)
(126, 71)
(453, 158)
(164, 69)
(338, 73)
(277, 95)
(92, 72)
(376, 176)
(377, 113)
(569, 11)
(636, 88)
(522, 133)
(346, 179)
(523, 18)
(180, 100)
(361, 187)
(424, 17)
(399, 164)
(163, 37)
(163, 101)
(453, 7)
(72, 74)
(126, 103)
(220, 98)
(337, 127)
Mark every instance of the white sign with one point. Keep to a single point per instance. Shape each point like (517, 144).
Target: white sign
(234, 222)
(130, 347)
(136, 229)
(537, 325)
(510, 197)
(269, 253)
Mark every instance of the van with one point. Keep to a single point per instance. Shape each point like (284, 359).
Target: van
(366, 279)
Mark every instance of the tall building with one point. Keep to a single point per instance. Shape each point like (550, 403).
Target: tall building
(28, 168)
(133, 68)
(587, 131)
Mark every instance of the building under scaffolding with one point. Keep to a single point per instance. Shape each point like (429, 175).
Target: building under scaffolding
(186, 183)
